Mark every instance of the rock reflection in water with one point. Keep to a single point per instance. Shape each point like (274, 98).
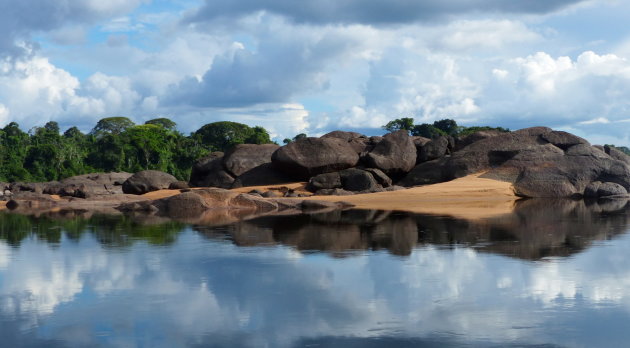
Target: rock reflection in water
(536, 229)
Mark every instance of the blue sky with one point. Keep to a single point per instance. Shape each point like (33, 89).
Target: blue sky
(313, 66)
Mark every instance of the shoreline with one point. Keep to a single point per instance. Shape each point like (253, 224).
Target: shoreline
(471, 197)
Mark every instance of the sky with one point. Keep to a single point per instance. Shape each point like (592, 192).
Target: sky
(313, 66)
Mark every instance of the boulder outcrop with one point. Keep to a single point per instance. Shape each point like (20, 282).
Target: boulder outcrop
(147, 181)
(395, 155)
(308, 157)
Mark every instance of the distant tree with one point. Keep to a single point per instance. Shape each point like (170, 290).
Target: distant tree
(164, 122)
(427, 130)
(448, 126)
(111, 125)
(52, 127)
(463, 131)
(73, 132)
(287, 140)
(220, 136)
(405, 123)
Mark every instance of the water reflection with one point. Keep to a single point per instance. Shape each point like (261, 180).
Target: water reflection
(536, 229)
(105, 281)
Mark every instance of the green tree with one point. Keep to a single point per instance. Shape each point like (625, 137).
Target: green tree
(220, 136)
(111, 125)
(405, 123)
(163, 122)
(448, 126)
(427, 130)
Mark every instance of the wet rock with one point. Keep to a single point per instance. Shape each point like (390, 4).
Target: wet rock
(611, 189)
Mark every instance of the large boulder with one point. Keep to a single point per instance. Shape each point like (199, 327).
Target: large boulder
(433, 149)
(244, 157)
(210, 172)
(308, 157)
(539, 162)
(359, 142)
(395, 154)
(147, 181)
(355, 179)
(324, 181)
(616, 154)
(88, 185)
(264, 174)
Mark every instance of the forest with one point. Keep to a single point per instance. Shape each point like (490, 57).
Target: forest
(114, 144)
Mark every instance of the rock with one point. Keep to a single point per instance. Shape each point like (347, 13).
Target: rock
(419, 141)
(462, 142)
(271, 194)
(184, 205)
(395, 188)
(591, 189)
(611, 189)
(426, 173)
(395, 154)
(245, 157)
(434, 149)
(310, 206)
(562, 140)
(147, 181)
(380, 177)
(616, 154)
(324, 181)
(178, 185)
(333, 192)
(30, 200)
(260, 205)
(308, 157)
(209, 172)
(347, 136)
(265, 174)
(354, 179)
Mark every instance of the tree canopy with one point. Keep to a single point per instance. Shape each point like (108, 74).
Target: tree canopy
(438, 128)
(114, 144)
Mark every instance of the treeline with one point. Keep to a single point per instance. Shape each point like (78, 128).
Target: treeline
(438, 128)
(114, 144)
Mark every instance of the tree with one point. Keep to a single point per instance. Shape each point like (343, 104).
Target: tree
(220, 136)
(163, 122)
(405, 123)
(446, 125)
(111, 125)
(427, 130)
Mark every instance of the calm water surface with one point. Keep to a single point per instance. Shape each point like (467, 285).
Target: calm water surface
(554, 273)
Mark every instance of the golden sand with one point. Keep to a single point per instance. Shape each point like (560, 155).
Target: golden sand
(470, 197)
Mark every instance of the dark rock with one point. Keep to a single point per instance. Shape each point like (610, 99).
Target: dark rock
(434, 149)
(591, 189)
(395, 188)
(380, 177)
(324, 181)
(310, 206)
(375, 139)
(333, 192)
(271, 194)
(395, 154)
(245, 157)
(562, 140)
(147, 181)
(291, 194)
(210, 172)
(260, 205)
(178, 185)
(308, 157)
(419, 141)
(30, 200)
(354, 179)
(616, 154)
(462, 142)
(265, 174)
(426, 173)
(183, 205)
(256, 192)
(611, 189)
(347, 136)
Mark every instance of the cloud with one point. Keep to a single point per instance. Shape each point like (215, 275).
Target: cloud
(287, 61)
(20, 19)
(372, 12)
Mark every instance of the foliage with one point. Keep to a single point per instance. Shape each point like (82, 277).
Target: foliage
(295, 138)
(115, 144)
(111, 125)
(163, 122)
(405, 123)
(220, 136)
(438, 128)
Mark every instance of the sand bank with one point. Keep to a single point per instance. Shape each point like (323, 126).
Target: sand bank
(470, 197)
